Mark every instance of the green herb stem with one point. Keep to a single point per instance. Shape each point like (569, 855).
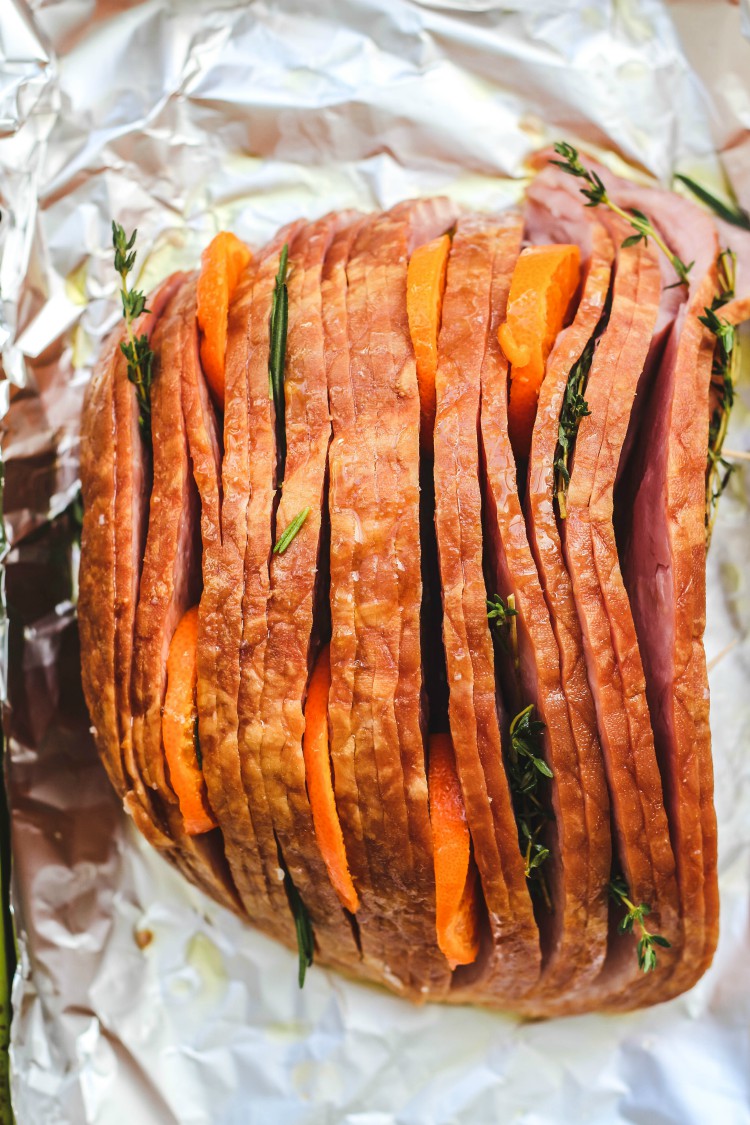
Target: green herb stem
(303, 927)
(136, 349)
(278, 326)
(723, 378)
(634, 917)
(526, 768)
(502, 614)
(596, 194)
(574, 408)
(737, 216)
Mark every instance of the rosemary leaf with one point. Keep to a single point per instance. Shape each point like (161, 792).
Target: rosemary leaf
(279, 323)
(737, 216)
(290, 531)
(303, 927)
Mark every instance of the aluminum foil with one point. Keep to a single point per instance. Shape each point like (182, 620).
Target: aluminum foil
(136, 999)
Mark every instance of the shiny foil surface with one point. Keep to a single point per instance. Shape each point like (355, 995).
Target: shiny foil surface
(136, 999)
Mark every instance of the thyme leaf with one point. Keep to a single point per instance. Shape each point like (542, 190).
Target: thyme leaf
(574, 408)
(723, 376)
(290, 531)
(737, 216)
(634, 919)
(596, 194)
(501, 614)
(136, 349)
(278, 324)
(526, 768)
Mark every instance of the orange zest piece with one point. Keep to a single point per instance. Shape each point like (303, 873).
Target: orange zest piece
(179, 728)
(222, 263)
(544, 283)
(425, 286)
(320, 783)
(456, 889)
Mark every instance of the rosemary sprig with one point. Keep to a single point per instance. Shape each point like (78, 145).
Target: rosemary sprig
(737, 216)
(303, 926)
(502, 614)
(278, 325)
(525, 770)
(136, 349)
(596, 194)
(633, 917)
(290, 531)
(723, 376)
(574, 408)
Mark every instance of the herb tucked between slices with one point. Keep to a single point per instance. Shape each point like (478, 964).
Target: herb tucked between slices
(738, 217)
(278, 329)
(290, 531)
(724, 371)
(136, 349)
(525, 769)
(303, 926)
(634, 916)
(596, 194)
(502, 615)
(574, 408)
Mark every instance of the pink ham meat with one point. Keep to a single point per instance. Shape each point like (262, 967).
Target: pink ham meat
(544, 539)
(664, 568)
(169, 585)
(665, 565)
(611, 647)
(511, 965)
(570, 941)
(375, 699)
(297, 583)
(96, 594)
(235, 786)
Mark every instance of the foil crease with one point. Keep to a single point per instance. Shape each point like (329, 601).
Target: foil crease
(135, 997)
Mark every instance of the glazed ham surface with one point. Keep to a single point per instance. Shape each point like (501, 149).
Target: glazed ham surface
(398, 546)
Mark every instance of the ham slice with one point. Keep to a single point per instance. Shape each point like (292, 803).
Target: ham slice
(232, 771)
(544, 540)
(511, 965)
(375, 699)
(96, 593)
(569, 943)
(297, 584)
(612, 656)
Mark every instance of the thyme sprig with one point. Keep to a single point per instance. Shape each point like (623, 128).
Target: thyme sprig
(574, 408)
(596, 194)
(502, 614)
(723, 377)
(526, 768)
(737, 216)
(634, 918)
(278, 325)
(290, 531)
(136, 349)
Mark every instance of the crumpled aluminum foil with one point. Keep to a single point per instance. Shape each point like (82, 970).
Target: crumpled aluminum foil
(136, 999)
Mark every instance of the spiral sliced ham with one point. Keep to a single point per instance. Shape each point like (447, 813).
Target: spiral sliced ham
(610, 599)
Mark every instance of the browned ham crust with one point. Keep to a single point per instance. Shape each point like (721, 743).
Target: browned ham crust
(511, 966)
(544, 540)
(614, 667)
(375, 595)
(277, 724)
